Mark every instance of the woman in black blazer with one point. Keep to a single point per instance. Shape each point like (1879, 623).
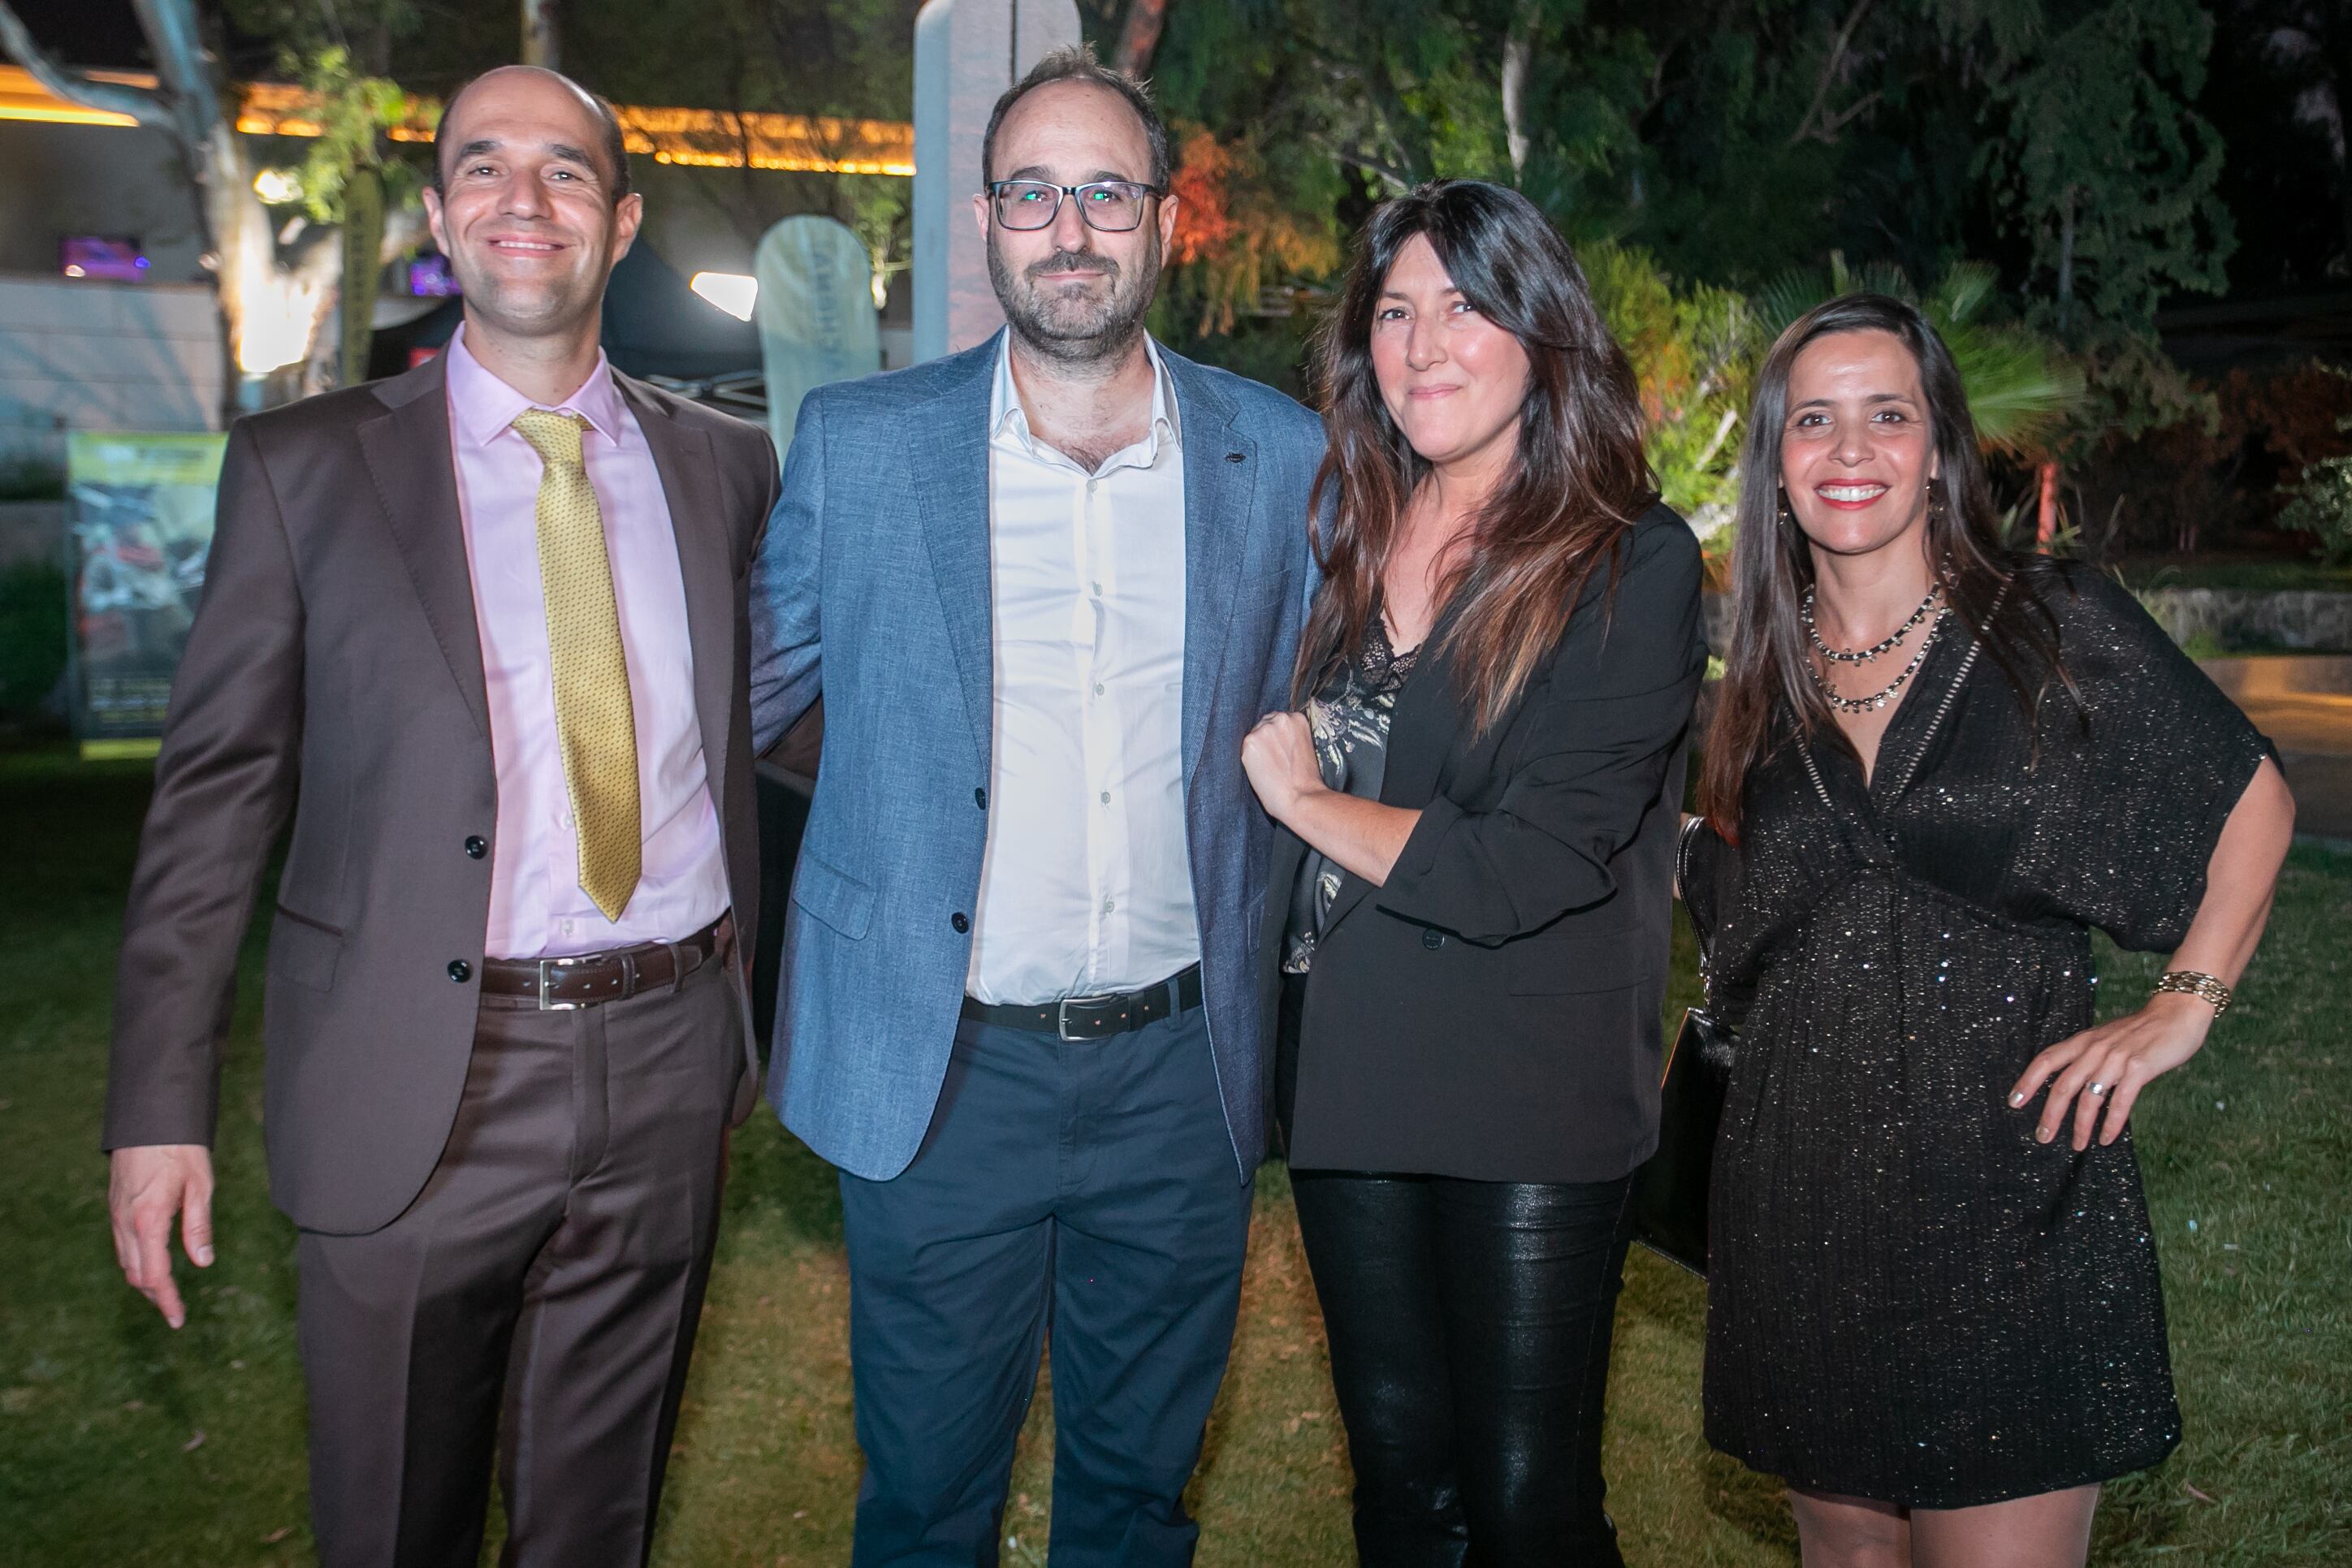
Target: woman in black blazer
(1479, 807)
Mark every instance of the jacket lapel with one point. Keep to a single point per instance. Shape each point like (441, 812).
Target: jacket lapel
(1423, 732)
(698, 520)
(1220, 485)
(1422, 729)
(948, 443)
(950, 474)
(407, 452)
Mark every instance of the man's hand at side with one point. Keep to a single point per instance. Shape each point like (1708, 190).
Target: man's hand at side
(150, 1184)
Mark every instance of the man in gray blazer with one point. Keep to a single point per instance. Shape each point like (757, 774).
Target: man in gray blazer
(1045, 587)
(481, 630)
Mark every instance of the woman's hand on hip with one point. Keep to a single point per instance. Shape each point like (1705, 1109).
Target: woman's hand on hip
(1278, 756)
(2109, 1065)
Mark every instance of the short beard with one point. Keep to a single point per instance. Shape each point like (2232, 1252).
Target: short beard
(1075, 332)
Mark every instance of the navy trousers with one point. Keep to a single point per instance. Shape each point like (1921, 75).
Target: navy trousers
(1083, 1192)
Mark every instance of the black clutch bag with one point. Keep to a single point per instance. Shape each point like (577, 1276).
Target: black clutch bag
(1670, 1189)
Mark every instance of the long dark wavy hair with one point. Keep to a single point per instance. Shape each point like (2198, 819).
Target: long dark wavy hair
(1577, 481)
(1768, 696)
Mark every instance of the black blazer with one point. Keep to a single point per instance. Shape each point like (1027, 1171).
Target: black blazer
(1492, 1011)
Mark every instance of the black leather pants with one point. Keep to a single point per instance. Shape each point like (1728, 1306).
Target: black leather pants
(1469, 1326)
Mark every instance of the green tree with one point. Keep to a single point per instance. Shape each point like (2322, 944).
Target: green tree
(1693, 351)
(1695, 151)
(2104, 167)
(2109, 175)
(2322, 507)
(351, 181)
(2020, 386)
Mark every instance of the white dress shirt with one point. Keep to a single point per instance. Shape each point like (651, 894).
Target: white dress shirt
(536, 908)
(1085, 887)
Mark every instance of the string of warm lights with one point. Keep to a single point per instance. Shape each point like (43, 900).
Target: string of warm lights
(693, 138)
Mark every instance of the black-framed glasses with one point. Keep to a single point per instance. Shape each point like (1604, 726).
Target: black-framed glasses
(1113, 206)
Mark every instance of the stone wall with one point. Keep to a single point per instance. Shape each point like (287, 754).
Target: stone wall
(2244, 618)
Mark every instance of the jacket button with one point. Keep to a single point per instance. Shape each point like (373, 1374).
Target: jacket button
(461, 970)
(1433, 940)
(959, 923)
(476, 846)
(980, 799)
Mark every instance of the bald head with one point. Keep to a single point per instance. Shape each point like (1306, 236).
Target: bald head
(530, 204)
(552, 94)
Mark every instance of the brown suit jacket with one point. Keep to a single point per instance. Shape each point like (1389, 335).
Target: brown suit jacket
(334, 673)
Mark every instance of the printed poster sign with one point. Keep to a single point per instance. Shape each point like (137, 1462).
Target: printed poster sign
(140, 508)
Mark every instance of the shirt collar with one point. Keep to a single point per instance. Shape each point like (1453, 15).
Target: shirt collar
(1005, 412)
(484, 407)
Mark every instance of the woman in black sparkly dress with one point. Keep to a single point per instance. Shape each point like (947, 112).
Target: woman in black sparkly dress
(1933, 767)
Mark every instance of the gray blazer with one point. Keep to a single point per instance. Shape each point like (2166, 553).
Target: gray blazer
(334, 674)
(872, 588)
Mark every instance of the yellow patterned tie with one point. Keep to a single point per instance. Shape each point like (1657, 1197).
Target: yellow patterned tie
(595, 723)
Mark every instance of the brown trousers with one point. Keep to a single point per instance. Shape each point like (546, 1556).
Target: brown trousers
(538, 1300)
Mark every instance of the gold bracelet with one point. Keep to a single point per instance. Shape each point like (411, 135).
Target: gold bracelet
(2190, 983)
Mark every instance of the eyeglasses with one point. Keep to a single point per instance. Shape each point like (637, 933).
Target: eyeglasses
(1112, 206)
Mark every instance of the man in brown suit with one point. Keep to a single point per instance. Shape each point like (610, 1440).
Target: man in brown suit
(481, 630)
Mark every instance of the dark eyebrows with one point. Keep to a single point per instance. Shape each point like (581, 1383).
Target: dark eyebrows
(562, 150)
(1043, 175)
(1875, 398)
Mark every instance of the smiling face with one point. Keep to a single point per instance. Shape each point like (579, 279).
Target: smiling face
(1856, 449)
(1071, 291)
(1453, 381)
(526, 214)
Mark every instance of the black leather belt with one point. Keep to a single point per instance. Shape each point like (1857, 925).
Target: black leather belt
(1095, 1018)
(558, 985)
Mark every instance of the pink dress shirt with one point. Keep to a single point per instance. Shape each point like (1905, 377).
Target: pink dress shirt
(537, 909)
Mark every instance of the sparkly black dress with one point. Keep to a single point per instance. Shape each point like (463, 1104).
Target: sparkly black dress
(1909, 1299)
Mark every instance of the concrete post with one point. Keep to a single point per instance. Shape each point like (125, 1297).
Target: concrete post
(967, 52)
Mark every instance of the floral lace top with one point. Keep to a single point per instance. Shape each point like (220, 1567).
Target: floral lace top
(1349, 717)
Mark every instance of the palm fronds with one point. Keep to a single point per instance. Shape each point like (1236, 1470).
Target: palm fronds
(2020, 386)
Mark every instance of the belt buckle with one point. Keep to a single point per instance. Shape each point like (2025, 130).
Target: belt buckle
(1125, 1003)
(1062, 1016)
(546, 1006)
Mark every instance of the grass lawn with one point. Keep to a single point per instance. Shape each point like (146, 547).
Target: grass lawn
(123, 1444)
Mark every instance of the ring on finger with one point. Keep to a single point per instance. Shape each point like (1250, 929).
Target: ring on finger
(2097, 1089)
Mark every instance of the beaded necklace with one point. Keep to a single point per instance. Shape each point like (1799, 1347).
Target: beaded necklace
(1877, 699)
(1863, 655)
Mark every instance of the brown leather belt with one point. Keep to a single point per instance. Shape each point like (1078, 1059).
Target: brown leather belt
(585, 979)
